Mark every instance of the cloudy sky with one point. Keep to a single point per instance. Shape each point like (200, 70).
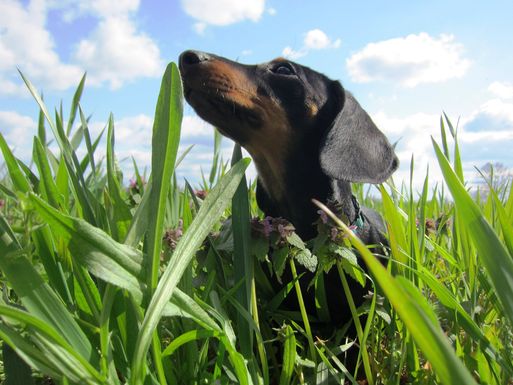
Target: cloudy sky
(405, 61)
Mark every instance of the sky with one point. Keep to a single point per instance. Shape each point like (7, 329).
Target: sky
(406, 62)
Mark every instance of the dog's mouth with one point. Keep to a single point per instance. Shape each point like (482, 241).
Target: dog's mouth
(220, 108)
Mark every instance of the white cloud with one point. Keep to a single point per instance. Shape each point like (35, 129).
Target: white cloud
(199, 28)
(317, 39)
(18, 130)
(495, 115)
(481, 140)
(72, 9)
(288, 52)
(501, 90)
(413, 136)
(134, 131)
(222, 12)
(25, 42)
(109, 8)
(271, 11)
(193, 126)
(314, 39)
(409, 61)
(116, 52)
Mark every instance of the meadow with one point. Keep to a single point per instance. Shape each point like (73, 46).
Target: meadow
(161, 283)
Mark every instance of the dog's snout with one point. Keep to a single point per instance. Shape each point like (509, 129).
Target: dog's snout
(189, 58)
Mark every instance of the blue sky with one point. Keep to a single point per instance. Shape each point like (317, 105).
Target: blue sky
(405, 61)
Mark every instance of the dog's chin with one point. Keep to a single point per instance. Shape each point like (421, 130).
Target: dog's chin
(232, 119)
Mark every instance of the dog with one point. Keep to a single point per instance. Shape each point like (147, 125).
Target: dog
(308, 137)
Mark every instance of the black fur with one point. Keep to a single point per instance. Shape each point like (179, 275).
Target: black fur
(338, 145)
(327, 139)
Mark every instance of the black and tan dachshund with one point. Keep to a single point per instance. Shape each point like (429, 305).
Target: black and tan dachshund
(309, 138)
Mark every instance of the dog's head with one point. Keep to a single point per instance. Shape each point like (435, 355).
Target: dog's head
(276, 108)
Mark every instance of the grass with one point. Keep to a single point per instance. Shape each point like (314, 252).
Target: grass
(163, 284)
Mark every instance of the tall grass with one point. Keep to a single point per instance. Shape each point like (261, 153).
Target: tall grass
(151, 284)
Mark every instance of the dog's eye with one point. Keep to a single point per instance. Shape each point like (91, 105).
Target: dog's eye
(283, 69)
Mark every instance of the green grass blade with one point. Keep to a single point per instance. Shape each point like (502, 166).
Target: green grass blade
(41, 104)
(504, 219)
(242, 261)
(289, 356)
(37, 297)
(44, 246)
(120, 210)
(77, 138)
(216, 159)
(451, 127)
(16, 370)
(212, 208)
(429, 337)
(192, 335)
(74, 104)
(50, 191)
(41, 129)
(139, 224)
(90, 246)
(69, 156)
(165, 140)
(19, 181)
(70, 361)
(91, 147)
(443, 134)
(492, 253)
(26, 350)
(395, 225)
(465, 321)
(113, 262)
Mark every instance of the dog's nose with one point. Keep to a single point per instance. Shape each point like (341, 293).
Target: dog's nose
(189, 58)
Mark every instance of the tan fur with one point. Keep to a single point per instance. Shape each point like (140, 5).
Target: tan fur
(267, 144)
(268, 147)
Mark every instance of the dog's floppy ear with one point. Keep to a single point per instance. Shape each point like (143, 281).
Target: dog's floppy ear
(354, 149)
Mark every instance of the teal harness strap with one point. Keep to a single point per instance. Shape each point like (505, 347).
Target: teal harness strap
(357, 224)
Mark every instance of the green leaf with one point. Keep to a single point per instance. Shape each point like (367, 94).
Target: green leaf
(37, 297)
(448, 300)
(69, 156)
(74, 103)
(294, 240)
(279, 259)
(349, 262)
(54, 344)
(212, 208)
(306, 259)
(492, 253)
(242, 262)
(289, 356)
(189, 336)
(19, 181)
(120, 210)
(165, 140)
(428, 336)
(47, 183)
(25, 349)
(113, 262)
(16, 370)
(395, 225)
(90, 244)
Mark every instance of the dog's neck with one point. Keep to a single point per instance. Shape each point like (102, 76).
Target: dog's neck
(304, 180)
